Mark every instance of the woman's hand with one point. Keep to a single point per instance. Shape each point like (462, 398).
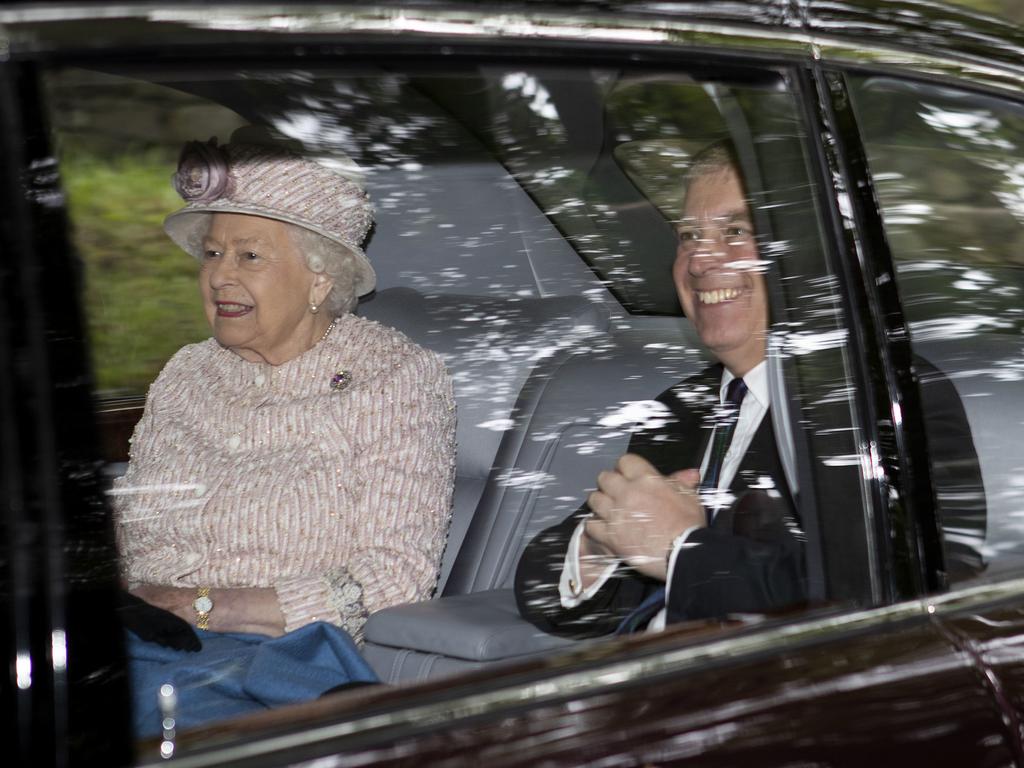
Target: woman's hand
(237, 609)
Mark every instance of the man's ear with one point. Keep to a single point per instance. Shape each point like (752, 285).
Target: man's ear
(320, 288)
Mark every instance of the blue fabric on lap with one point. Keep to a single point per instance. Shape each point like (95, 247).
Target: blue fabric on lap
(236, 673)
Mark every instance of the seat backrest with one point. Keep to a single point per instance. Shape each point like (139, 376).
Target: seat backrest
(490, 345)
(573, 418)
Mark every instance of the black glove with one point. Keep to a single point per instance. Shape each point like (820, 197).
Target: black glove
(155, 625)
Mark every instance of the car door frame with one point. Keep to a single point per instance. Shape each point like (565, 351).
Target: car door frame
(638, 660)
(68, 699)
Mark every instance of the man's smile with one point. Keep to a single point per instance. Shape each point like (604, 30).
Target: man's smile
(718, 295)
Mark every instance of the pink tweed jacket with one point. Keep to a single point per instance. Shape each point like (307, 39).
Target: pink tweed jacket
(250, 475)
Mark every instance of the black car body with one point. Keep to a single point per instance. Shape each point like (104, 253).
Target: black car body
(522, 158)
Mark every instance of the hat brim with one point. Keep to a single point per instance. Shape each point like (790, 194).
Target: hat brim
(185, 228)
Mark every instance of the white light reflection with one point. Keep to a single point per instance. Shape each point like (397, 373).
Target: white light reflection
(974, 280)
(638, 415)
(1013, 199)
(773, 250)
(309, 129)
(527, 85)
(751, 265)
(23, 670)
(324, 762)
(930, 265)
(806, 342)
(843, 460)
(909, 214)
(976, 126)
(373, 21)
(497, 425)
(962, 327)
(845, 206)
(518, 478)
(873, 463)
(897, 414)
(59, 650)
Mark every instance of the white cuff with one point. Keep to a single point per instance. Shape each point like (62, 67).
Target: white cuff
(570, 582)
(677, 547)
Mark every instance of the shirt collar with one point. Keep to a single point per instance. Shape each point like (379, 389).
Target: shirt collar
(756, 380)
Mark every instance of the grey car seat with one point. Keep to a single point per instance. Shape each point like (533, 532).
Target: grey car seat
(489, 345)
(566, 403)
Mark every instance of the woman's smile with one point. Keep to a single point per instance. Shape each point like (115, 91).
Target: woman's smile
(232, 309)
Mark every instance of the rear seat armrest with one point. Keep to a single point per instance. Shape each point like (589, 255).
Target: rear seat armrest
(479, 627)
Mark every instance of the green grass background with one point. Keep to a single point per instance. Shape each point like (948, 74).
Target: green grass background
(142, 297)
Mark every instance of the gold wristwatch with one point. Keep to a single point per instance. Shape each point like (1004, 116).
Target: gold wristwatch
(202, 605)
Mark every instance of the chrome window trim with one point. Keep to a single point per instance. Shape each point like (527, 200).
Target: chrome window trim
(843, 53)
(784, 38)
(444, 25)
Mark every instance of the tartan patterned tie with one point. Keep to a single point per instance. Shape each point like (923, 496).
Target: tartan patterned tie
(724, 428)
(728, 415)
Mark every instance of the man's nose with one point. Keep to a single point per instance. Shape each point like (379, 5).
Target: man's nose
(709, 250)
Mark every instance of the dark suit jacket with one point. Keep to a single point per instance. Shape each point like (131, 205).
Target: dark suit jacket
(750, 559)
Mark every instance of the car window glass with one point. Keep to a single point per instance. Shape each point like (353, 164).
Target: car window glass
(116, 139)
(947, 167)
(527, 221)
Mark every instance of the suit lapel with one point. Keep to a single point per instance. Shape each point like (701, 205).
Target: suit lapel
(760, 470)
(693, 402)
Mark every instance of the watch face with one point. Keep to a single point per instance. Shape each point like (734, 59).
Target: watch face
(203, 604)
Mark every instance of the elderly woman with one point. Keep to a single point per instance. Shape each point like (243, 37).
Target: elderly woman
(298, 466)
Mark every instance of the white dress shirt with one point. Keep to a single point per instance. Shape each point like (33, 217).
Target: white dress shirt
(752, 411)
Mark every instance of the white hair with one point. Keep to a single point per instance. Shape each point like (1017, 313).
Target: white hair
(326, 257)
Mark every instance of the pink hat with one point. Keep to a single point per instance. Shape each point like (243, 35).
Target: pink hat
(273, 182)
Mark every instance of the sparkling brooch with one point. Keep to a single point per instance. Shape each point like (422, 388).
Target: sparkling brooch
(341, 380)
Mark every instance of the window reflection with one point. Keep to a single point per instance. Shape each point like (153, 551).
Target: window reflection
(524, 233)
(947, 171)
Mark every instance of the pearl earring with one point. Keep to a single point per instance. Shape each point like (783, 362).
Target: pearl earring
(314, 308)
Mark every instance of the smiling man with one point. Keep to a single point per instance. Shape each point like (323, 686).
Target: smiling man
(696, 520)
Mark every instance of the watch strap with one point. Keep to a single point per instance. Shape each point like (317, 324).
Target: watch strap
(202, 605)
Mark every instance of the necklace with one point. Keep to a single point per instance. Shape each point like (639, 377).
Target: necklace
(330, 328)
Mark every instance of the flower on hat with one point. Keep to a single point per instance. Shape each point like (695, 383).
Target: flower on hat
(202, 174)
